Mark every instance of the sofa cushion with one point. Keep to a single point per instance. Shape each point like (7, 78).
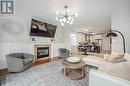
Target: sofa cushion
(93, 60)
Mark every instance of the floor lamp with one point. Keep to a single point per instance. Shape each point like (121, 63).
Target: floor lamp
(113, 34)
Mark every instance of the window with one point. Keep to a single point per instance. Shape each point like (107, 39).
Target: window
(73, 39)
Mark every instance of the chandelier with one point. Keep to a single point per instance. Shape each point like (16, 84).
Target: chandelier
(66, 17)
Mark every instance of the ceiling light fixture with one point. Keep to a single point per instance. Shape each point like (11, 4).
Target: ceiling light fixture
(66, 17)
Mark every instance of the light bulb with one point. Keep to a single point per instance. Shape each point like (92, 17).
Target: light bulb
(57, 18)
(71, 23)
(72, 20)
(68, 22)
(69, 18)
(57, 13)
(76, 14)
(62, 24)
(64, 19)
(60, 20)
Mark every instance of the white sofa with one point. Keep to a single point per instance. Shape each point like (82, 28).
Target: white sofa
(99, 78)
(95, 61)
(108, 74)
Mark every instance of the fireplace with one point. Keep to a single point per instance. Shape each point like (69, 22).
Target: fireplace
(42, 51)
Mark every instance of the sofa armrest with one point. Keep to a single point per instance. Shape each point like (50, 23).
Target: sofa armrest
(93, 61)
(99, 78)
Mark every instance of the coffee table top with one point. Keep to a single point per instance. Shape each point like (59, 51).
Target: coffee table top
(67, 64)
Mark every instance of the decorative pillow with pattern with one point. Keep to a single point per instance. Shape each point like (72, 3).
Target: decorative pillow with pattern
(114, 58)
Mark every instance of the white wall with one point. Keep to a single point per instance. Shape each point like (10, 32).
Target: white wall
(121, 21)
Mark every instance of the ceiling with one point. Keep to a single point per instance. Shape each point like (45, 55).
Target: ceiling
(94, 15)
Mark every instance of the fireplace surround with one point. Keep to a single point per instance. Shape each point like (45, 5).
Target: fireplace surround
(42, 51)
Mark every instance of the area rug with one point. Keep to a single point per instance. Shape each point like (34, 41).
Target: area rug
(48, 74)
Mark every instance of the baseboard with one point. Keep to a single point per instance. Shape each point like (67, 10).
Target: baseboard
(3, 71)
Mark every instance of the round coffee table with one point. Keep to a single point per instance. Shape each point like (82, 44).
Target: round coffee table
(74, 71)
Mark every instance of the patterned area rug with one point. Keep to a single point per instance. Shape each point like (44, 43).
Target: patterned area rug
(48, 74)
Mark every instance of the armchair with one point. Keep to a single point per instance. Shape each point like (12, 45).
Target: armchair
(17, 62)
(64, 52)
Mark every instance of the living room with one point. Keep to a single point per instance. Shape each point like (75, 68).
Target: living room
(68, 30)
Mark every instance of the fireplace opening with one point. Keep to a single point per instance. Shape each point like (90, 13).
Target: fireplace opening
(42, 52)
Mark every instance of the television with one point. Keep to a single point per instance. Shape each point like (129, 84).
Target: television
(42, 29)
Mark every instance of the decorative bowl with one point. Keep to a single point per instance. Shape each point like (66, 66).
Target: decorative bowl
(73, 59)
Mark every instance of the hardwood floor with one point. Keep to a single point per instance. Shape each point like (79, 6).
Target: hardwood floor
(3, 71)
(39, 62)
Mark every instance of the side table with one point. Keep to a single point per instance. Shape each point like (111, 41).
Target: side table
(74, 71)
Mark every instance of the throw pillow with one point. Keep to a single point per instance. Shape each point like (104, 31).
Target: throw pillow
(127, 57)
(114, 58)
